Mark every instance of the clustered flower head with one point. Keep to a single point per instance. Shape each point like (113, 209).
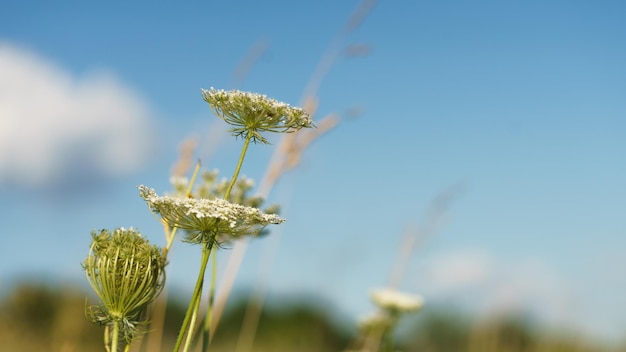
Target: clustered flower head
(208, 219)
(396, 301)
(250, 114)
(127, 273)
(377, 329)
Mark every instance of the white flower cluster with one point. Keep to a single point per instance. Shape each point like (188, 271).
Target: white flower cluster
(394, 300)
(179, 182)
(251, 113)
(237, 97)
(216, 216)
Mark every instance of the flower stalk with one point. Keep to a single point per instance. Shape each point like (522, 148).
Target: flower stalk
(213, 221)
(126, 273)
(377, 330)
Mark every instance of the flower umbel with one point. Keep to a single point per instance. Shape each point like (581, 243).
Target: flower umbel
(126, 273)
(207, 219)
(376, 331)
(250, 114)
(396, 301)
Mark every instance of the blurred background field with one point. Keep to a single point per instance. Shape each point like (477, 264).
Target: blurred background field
(44, 318)
(489, 137)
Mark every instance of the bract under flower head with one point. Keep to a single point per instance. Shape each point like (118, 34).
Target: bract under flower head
(394, 300)
(250, 114)
(206, 219)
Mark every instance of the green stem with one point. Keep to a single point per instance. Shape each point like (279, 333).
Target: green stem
(195, 298)
(116, 335)
(206, 333)
(192, 310)
(236, 174)
(190, 331)
(387, 344)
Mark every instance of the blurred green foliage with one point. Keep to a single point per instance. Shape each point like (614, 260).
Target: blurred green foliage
(51, 318)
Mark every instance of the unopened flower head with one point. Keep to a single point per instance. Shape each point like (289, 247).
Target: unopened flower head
(127, 273)
(250, 114)
(207, 219)
(395, 301)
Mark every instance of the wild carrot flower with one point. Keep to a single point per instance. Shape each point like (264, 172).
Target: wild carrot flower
(250, 114)
(376, 330)
(126, 273)
(395, 301)
(206, 219)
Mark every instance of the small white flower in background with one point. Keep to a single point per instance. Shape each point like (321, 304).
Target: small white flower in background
(179, 181)
(206, 218)
(248, 182)
(394, 300)
(179, 184)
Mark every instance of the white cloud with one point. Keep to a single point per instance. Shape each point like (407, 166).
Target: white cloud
(52, 122)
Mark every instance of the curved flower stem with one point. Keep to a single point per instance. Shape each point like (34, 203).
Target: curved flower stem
(192, 310)
(236, 174)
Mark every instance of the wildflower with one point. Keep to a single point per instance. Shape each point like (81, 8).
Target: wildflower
(395, 301)
(127, 273)
(250, 113)
(204, 219)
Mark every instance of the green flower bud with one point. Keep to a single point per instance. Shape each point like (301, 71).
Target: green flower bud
(126, 273)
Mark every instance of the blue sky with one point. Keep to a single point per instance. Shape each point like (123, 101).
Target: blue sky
(518, 104)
